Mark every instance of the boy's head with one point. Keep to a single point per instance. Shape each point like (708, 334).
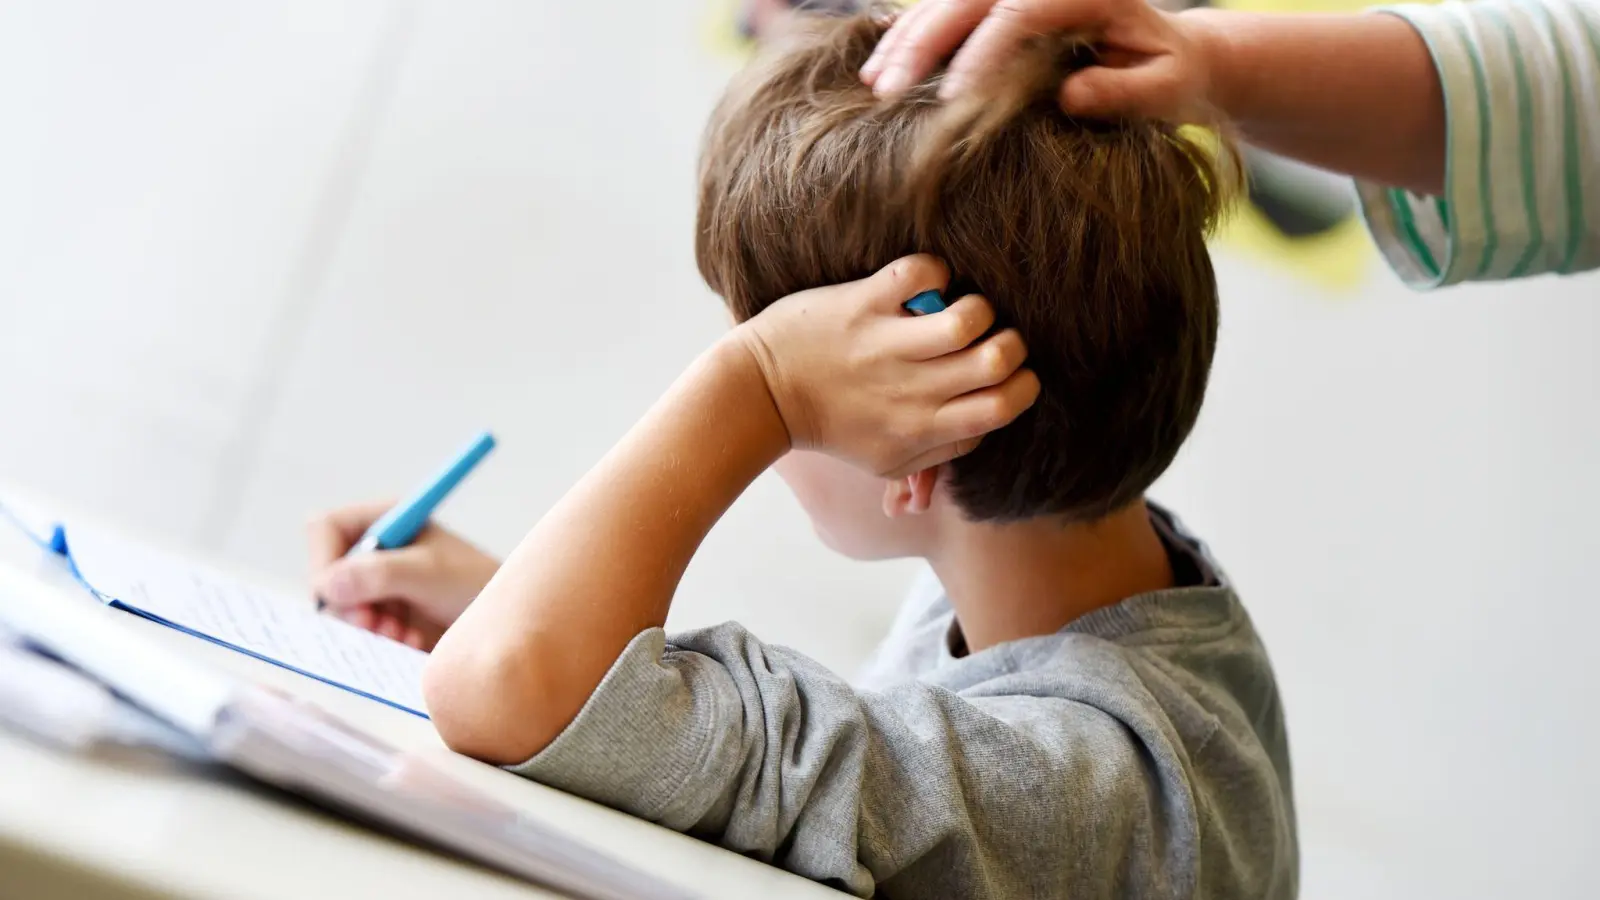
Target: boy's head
(1089, 238)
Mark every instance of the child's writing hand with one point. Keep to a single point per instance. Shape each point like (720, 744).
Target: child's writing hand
(1152, 64)
(411, 594)
(854, 375)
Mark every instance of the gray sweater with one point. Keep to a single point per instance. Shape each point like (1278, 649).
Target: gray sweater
(1139, 752)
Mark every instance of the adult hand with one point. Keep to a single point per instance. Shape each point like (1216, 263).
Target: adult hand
(1151, 64)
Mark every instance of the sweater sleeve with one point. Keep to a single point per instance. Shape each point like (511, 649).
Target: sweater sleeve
(912, 791)
(1521, 83)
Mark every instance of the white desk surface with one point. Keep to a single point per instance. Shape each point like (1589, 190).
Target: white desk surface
(79, 827)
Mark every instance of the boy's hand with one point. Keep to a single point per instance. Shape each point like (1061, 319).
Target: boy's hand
(411, 594)
(854, 375)
(1152, 64)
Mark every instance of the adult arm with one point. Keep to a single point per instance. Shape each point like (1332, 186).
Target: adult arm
(1473, 130)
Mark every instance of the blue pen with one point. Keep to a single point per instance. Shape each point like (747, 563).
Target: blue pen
(400, 525)
(925, 303)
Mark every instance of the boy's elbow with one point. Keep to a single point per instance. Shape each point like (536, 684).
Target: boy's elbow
(477, 706)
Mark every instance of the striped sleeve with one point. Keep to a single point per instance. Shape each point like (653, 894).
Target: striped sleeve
(1521, 197)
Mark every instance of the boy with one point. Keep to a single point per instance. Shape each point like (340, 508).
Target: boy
(1077, 705)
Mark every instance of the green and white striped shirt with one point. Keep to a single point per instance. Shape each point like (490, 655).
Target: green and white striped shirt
(1522, 179)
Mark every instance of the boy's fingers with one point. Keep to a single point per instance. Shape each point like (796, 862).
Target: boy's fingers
(392, 621)
(942, 333)
(984, 365)
(332, 533)
(891, 286)
(935, 457)
(980, 412)
(364, 616)
(414, 638)
(410, 572)
(325, 541)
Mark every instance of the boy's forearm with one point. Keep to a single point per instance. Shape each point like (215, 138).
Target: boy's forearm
(604, 563)
(1357, 94)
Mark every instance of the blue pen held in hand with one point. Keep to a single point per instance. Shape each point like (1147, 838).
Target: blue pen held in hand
(401, 525)
(925, 303)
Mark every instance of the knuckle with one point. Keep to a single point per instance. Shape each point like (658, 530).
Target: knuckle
(920, 268)
(958, 330)
(994, 411)
(979, 314)
(996, 360)
(978, 321)
(992, 414)
(907, 268)
(1014, 348)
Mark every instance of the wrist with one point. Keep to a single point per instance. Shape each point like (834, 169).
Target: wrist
(1210, 34)
(738, 371)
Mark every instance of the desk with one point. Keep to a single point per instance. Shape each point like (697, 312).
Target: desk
(80, 827)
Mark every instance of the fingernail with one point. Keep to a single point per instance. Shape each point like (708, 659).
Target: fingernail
(892, 82)
(873, 66)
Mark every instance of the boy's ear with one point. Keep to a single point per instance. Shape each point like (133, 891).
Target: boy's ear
(911, 495)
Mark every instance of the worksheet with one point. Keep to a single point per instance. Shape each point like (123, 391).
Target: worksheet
(283, 630)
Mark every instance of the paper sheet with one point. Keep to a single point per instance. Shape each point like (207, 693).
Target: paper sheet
(277, 628)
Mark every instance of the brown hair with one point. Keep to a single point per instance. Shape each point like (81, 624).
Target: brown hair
(1087, 237)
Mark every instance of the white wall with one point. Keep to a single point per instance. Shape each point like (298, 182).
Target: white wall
(256, 259)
